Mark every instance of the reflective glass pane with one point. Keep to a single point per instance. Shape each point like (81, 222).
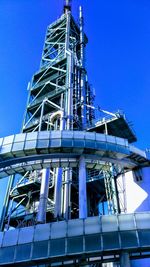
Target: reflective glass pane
(110, 241)
(75, 227)
(57, 247)
(32, 136)
(74, 244)
(20, 137)
(10, 238)
(126, 222)
(142, 220)
(5, 149)
(101, 137)
(55, 142)
(23, 252)
(26, 235)
(67, 134)
(42, 143)
(7, 254)
(90, 144)
(92, 243)
(18, 146)
(58, 229)
(144, 237)
(128, 239)
(92, 225)
(40, 249)
(8, 140)
(78, 143)
(79, 135)
(30, 144)
(55, 134)
(43, 135)
(90, 136)
(67, 142)
(42, 232)
(109, 223)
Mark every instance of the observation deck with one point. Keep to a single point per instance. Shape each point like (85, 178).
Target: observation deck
(85, 241)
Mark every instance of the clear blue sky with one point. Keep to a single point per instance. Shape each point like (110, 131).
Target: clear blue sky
(117, 56)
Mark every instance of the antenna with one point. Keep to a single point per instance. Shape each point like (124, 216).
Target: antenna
(67, 6)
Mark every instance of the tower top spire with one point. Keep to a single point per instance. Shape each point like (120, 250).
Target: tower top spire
(67, 5)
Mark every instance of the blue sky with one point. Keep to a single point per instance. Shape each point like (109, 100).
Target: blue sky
(117, 56)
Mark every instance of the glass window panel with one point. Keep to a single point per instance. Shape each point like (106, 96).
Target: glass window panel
(79, 135)
(8, 140)
(128, 239)
(120, 141)
(142, 220)
(90, 136)
(75, 244)
(43, 143)
(23, 252)
(92, 225)
(111, 147)
(109, 223)
(42, 232)
(40, 249)
(43, 135)
(67, 134)
(144, 237)
(90, 144)
(18, 146)
(55, 134)
(31, 136)
(75, 227)
(122, 150)
(55, 142)
(20, 137)
(126, 222)
(7, 254)
(66, 142)
(25, 235)
(110, 139)
(10, 238)
(110, 241)
(101, 145)
(6, 149)
(101, 137)
(78, 143)
(30, 144)
(58, 229)
(92, 243)
(57, 247)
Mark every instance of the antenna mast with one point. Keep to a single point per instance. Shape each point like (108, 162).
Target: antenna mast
(67, 6)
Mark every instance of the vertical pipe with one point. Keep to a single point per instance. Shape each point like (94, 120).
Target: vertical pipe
(82, 189)
(41, 216)
(57, 193)
(58, 181)
(125, 260)
(67, 189)
(82, 81)
(81, 37)
(41, 117)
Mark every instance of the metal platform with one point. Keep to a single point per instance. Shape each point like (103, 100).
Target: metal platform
(116, 126)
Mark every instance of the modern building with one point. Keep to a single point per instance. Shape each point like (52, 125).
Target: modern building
(78, 190)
